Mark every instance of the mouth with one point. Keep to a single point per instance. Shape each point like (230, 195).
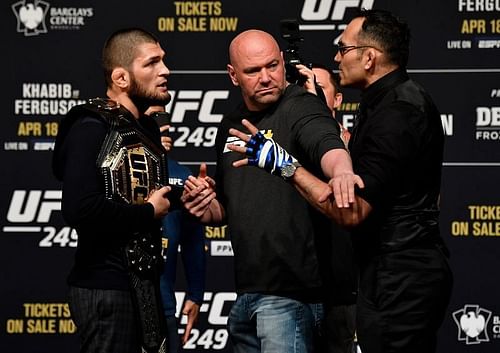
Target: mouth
(266, 90)
(163, 85)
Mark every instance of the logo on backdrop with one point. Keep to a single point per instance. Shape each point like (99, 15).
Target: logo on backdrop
(472, 322)
(315, 14)
(198, 16)
(478, 24)
(33, 15)
(488, 123)
(33, 212)
(37, 113)
(214, 311)
(188, 109)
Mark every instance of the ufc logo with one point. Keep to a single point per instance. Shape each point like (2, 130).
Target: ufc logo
(320, 10)
(197, 101)
(34, 205)
(215, 304)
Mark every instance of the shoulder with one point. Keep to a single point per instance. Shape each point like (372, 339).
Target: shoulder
(297, 98)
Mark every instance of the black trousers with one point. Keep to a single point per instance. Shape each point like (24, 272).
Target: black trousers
(105, 320)
(174, 340)
(402, 300)
(339, 328)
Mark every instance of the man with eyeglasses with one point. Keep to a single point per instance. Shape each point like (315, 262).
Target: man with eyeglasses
(396, 148)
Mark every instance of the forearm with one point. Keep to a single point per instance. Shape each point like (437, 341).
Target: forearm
(336, 162)
(215, 213)
(313, 190)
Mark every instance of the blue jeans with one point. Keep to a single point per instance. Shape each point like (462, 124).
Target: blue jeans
(271, 324)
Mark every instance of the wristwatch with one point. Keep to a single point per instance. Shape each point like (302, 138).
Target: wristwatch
(288, 170)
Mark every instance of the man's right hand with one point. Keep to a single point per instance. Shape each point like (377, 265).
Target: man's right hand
(160, 202)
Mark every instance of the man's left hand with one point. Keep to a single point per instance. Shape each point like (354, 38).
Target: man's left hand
(262, 152)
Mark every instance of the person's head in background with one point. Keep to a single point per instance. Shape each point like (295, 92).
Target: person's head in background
(326, 80)
(158, 113)
(331, 89)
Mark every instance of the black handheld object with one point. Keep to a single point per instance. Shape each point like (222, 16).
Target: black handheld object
(174, 196)
(290, 31)
(161, 118)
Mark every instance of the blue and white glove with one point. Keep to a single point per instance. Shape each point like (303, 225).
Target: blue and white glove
(267, 154)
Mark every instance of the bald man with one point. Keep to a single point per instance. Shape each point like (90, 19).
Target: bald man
(275, 234)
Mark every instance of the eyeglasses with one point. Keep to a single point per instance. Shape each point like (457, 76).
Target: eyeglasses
(343, 49)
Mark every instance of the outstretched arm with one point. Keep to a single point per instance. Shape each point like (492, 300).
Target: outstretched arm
(321, 195)
(335, 199)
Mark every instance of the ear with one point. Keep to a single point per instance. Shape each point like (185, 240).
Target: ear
(120, 77)
(370, 57)
(232, 75)
(337, 100)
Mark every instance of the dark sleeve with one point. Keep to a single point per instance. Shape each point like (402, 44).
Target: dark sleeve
(84, 202)
(220, 142)
(193, 256)
(180, 228)
(390, 144)
(314, 128)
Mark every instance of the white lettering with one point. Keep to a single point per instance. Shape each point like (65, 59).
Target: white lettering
(203, 103)
(488, 116)
(447, 122)
(348, 120)
(206, 115)
(25, 210)
(319, 10)
(478, 5)
(215, 316)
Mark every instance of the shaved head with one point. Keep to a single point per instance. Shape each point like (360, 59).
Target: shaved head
(257, 67)
(251, 42)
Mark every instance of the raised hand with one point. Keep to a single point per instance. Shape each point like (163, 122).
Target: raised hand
(166, 141)
(262, 152)
(198, 192)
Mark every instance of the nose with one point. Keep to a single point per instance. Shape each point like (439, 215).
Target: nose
(264, 75)
(164, 70)
(337, 58)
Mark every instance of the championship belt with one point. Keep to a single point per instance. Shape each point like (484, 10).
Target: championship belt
(133, 165)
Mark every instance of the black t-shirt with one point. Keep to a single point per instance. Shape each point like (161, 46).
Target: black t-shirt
(273, 230)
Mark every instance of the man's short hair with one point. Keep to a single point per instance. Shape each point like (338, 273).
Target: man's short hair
(120, 49)
(333, 78)
(386, 31)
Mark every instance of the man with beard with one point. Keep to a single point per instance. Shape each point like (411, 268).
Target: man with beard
(112, 219)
